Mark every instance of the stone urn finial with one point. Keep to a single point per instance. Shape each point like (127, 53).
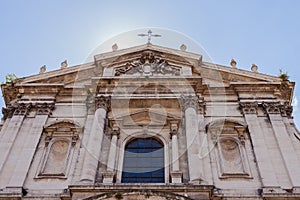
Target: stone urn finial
(254, 68)
(114, 47)
(64, 64)
(43, 69)
(183, 47)
(233, 63)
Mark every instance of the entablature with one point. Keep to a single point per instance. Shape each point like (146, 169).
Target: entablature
(261, 91)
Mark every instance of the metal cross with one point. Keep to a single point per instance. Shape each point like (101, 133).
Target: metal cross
(149, 35)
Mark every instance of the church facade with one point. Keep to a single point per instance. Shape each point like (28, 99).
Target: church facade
(149, 122)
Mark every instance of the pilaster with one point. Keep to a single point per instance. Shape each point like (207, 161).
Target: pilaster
(42, 110)
(266, 169)
(275, 110)
(109, 175)
(16, 113)
(176, 174)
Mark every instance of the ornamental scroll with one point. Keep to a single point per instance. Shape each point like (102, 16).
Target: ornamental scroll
(147, 65)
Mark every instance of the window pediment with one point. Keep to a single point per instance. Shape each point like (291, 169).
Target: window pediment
(146, 117)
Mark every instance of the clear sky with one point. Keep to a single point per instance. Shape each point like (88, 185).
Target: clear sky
(36, 33)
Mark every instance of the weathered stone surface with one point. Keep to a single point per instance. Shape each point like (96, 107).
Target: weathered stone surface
(226, 133)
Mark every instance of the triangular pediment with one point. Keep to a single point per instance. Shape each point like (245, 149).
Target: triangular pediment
(147, 65)
(162, 61)
(147, 60)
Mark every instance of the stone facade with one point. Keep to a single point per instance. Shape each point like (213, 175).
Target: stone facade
(225, 133)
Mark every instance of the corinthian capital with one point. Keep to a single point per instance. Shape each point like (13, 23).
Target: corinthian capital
(8, 112)
(22, 108)
(193, 102)
(102, 102)
(249, 107)
(44, 108)
(272, 107)
(286, 110)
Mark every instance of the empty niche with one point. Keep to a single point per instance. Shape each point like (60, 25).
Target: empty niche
(57, 158)
(231, 158)
(59, 141)
(230, 139)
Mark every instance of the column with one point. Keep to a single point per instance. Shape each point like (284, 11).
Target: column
(274, 111)
(17, 114)
(261, 151)
(43, 110)
(93, 148)
(190, 106)
(176, 174)
(109, 175)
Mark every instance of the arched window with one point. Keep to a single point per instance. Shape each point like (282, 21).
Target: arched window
(143, 161)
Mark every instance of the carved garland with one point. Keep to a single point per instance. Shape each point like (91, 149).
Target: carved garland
(147, 65)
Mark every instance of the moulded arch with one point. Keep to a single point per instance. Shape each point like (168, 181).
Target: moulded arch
(140, 134)
(67, 121)
(218, 122)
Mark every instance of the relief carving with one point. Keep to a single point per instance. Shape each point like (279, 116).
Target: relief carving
(44, 108)
(8, 112)
(272, 107)
(173, 128)
(22, 108)
(115, 130)
(193, 102)
(249, 107)
(286, 110)
(102, 102)
(148, 65)
(241, 131)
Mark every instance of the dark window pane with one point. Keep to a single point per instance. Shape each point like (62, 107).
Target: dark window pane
(143, 161)
(158, 173)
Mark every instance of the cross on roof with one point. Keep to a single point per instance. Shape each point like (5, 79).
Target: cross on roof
(149, 34)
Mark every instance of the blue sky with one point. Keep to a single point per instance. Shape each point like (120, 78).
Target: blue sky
(36, 33)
